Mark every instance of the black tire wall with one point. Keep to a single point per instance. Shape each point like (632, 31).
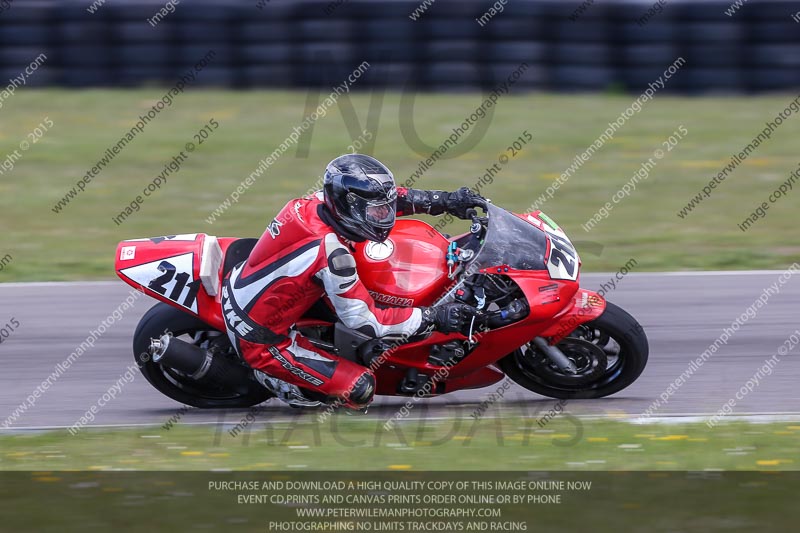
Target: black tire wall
(303, 43)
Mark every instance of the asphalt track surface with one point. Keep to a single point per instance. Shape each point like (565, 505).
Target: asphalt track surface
(682, 314)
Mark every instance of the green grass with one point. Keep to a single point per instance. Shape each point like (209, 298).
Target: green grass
(79, 243)
(347, 443)
(153, 479)
(180, 501)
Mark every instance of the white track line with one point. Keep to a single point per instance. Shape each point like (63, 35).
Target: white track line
(677, 418)
(109, 283)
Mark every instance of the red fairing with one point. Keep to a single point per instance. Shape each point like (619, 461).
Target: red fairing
(168, 269)
(584, 307)
(409, 269)
(299, 260)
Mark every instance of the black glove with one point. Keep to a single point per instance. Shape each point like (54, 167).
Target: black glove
(448, 318)
(457, 203)
(438, 202)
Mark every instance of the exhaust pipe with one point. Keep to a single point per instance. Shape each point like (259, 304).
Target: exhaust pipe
(198, 363)
(180, 355)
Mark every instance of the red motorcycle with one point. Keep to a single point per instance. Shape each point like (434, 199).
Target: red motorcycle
(537, 326)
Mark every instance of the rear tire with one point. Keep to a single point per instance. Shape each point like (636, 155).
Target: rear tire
(613, 328)
(163, 317)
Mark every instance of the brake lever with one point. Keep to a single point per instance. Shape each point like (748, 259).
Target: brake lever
(478, 320)
(476, 225)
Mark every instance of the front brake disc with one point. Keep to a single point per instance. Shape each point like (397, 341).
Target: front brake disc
(589, 359)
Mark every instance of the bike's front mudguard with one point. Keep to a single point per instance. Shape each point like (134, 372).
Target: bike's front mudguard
(585, 306)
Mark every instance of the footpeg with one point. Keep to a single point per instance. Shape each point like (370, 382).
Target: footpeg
(446, 354)
(413, 382)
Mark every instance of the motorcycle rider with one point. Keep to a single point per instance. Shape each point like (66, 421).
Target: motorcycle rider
(305, 254)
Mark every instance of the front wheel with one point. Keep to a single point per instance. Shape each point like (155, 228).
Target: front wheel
(609, 352)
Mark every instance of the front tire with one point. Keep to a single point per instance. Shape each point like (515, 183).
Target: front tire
(163, 317)
(615, 339)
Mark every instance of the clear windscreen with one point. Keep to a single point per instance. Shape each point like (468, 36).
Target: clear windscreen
(511, 241)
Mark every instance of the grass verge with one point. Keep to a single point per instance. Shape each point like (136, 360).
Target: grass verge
(346, 443)
(78, 243)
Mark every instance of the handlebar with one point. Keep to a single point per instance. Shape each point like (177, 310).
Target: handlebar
(478, 223)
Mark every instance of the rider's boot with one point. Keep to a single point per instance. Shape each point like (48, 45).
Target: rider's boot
(285, 392)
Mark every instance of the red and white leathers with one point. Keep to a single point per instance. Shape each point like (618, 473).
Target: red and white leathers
(298, 260)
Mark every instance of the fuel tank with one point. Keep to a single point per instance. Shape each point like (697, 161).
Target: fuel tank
(409, 269)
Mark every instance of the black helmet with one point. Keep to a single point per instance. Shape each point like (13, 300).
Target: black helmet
(361, 195)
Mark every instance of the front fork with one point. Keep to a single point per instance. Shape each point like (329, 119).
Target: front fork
(556, 356)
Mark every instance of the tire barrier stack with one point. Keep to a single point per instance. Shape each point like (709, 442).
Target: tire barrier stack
(569, 45)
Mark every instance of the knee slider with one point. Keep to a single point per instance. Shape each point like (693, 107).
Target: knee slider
(363, 389)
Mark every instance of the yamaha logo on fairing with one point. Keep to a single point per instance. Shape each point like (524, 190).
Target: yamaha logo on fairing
(380, 251)
(395, 301)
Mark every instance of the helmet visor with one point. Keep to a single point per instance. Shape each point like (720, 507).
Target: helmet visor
(381, 214)
(374, 213)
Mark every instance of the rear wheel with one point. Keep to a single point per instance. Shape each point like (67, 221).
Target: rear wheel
(181, 388)
(609, 352)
